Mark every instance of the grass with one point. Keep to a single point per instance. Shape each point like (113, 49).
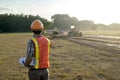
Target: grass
(69, 61)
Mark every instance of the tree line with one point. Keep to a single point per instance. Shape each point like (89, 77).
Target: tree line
(19, 23)
(63, 22)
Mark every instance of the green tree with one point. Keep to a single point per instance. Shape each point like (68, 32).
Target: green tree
(19, 23)
(61, 22)
(86, 25)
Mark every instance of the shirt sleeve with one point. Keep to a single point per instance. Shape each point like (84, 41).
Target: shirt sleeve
(30, 48)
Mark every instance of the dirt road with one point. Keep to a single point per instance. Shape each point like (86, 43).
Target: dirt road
(102, 43)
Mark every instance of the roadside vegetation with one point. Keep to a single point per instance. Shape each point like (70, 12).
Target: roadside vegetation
(69, 61)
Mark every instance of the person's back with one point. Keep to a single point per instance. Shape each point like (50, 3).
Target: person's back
(42, 46)
(38, 49)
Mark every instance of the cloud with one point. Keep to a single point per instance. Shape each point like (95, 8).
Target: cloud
(7, 10)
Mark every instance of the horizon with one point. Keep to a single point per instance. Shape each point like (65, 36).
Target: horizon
(99, 11)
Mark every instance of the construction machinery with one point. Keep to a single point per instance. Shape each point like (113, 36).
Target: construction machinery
(74, 32)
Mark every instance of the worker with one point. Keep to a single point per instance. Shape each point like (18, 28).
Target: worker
(38, 50)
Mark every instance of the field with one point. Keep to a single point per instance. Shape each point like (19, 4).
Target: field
(69, 61)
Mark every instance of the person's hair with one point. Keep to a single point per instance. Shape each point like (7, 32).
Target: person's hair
(37, 32)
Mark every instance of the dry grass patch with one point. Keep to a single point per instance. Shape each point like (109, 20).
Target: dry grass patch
(69, 61)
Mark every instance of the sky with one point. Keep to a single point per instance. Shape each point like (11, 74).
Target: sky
(99, 11)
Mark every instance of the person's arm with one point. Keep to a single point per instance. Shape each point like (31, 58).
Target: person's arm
(30, 53)
(28, 61)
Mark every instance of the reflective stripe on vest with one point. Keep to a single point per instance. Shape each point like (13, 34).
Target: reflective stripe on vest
(42, 49)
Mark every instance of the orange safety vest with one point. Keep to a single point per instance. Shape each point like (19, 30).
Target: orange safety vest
(42, 50)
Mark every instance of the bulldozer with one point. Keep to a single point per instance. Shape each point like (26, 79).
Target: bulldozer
(55, 31)
(73, 32)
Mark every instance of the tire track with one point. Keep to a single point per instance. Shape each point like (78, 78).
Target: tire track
(97, 44)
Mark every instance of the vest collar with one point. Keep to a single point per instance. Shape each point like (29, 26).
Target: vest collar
(37, 35)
